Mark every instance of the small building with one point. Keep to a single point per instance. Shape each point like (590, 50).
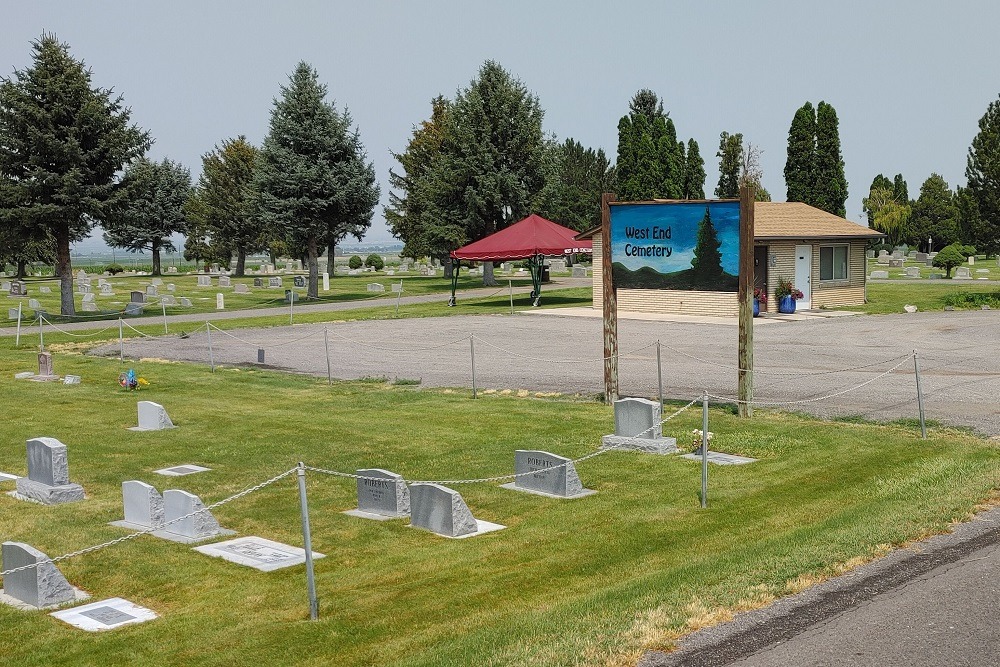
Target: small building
(821, 253)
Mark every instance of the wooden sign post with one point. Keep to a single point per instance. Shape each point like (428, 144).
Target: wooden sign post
(745, 296)
(610, 299)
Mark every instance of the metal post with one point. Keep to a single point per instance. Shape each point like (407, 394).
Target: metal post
(399, 295)
(17, 340)
(472, 348)
(41, 333)
(211, 357)
(920, 396)
(704, 450)
(659, 373)
(326, 343)
(510, 285)
(164, 307)
(307, 538)
(291, 305)
(121, 341)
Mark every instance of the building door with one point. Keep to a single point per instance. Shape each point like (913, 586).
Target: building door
(803, 274)
(760, 267)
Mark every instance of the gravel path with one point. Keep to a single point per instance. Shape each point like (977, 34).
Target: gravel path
(800, 364)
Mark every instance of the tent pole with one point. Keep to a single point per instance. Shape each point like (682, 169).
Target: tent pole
(454, 280)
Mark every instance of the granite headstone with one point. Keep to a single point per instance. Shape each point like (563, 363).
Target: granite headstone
(40, 586)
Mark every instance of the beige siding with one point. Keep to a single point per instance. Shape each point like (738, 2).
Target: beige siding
(828, 294)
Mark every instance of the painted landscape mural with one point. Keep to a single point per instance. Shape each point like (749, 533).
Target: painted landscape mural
(676, 245)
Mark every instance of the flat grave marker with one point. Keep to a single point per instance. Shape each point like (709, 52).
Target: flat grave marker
(105, 615)
(257, 552)
(181, 470)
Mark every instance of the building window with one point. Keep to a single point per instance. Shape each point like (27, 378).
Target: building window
(833, 262)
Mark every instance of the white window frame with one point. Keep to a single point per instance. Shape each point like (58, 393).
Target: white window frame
(847, 262)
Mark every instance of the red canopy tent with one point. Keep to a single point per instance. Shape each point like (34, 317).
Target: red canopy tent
(533, 239)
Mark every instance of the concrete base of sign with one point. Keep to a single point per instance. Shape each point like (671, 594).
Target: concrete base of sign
(646, 445)
(183, 539)
(361, 514)
(482, 527)
(720, 458)
(47, 495)
(514, 487)
(181, 470)
(105, 615)
(78, 596)
(257, 552)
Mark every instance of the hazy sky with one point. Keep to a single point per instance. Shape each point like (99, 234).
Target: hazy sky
(909, 80)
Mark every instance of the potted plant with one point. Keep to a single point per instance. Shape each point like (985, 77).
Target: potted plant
(787, 295)
(759, 299)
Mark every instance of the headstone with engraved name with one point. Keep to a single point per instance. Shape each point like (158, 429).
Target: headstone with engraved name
(241, 288)
(258, 282)
(299, 281)
(220, 301)
(151, 290)
(579, 272)
(40, 586)
(48, 474)
(34, 305)
(106, 289)
(137, 297)
(274, 282)
(204, 281)
(225, 281)
(18, 288)
(200, 526)
(546, 473)
(382, 493)
(157, 281)
(963, 273)
(637, 427)
(143, 506)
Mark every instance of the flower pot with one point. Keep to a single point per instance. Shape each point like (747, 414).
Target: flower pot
(786, 304)
(756, 308)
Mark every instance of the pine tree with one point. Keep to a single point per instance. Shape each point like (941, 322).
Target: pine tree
(312, 176)
(934, 215)
(706, 266)
(63, 143)
(651, 161)
(694, 172)
(151, 208)
(575, 179)
(800, 164)
(899, 190)
(829, 190)
(730, 164)
(983, 173)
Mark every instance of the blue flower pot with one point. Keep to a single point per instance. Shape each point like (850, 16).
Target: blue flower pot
(756, 308)
(786, 304)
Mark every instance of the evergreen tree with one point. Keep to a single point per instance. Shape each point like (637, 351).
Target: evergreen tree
(62, 144)
(899, 190)
(651, 161)
(829, 190)
(880, 182)
(800, 164)
(983, 173)
(730, 163)
(312, 176)
(228, 197)
(934, 215)
(694, 172)
(706, 266)
(576, 178)
(150, 210)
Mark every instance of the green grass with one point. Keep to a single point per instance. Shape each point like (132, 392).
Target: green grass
(983, 268)
(592, 581)
(890, 297)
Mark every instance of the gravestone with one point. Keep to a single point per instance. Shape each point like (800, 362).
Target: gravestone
(81, 275)
(883, 259)
(48, 474)
(89, 298)
(151, 290)
(390, 272)
(18, 288)
(143, 506)
(200, 526)
(440, 510)
(152, 417)
(89, 306)
(241, 288)
(101, 281)
(291, 296)
(557, 265)
(897, 254)
(397, 288)
(34, 305)
(579, 272)
(353, 272)
(171, 269)
(13, 313)
(168, 300)
(972, 260)
(5, 285)
(45, 365)
(157, 281)
(895, 263)
(258, 282)
(376, 287)
(171, 287)
(71, 379)
(214, 268)
(137, 297)
(256, 552)
(204, 281)
(962, 273)
(912, 272)
(546, 473)
(326, 281)
(133, 308)
(83, 288)
(274, 281)
(180, 471)
(637, 427)
(225, 281)
(220, 301)
(298, 281)
(106, 289)
(105, 615)
(920, 256)
(381, 494)
(45, 289)
(40, 586)
(185, 302)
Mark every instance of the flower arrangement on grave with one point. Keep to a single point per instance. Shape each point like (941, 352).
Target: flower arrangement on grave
(129, 381)
(696, 442)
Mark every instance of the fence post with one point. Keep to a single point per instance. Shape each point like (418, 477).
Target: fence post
(17, 340)
(472, 348)
(121, 341)
(659, 373)
(41, 333)
(326, 344)
(704, 450)
(211, 357)
(291, 305)
(307, 538)
(164, 307)
(510, 286)
(920, 396)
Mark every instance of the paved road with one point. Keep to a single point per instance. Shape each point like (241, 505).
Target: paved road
(937, 603)
(799, 364)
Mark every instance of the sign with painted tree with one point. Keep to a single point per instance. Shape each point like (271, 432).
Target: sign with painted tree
(684, 245)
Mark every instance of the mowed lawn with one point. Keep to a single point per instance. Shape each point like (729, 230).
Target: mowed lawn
(592, 581)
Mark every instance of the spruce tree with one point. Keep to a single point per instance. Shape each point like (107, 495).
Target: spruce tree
(899, 190)
(800, 164)
(730, 163)
(983, 173)
(694, 172)
(706, 265)
(934, 215)
(829, 191)
(63, 143)
(651, 161)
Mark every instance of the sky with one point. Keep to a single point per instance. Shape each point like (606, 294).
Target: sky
(909, 79)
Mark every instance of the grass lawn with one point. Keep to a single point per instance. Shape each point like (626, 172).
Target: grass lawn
(592, 581)
(890, 297)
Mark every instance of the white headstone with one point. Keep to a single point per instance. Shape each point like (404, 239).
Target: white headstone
(106, 289)
(157, 281)
(274, 282)
(225, 281)
(89, 306)
(171, 287)
(241, 288)
(48, 474)
(168, 300)
(151, 290)
(40, 586)
(326, 282)
(143, 504)
(89, 298)
(220, 301)
(34, 305)
(176, 504)
(376, 287)
(152, 417)
(204, 281)
(185, 302)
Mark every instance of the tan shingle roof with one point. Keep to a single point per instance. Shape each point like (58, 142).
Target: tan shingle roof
(793, 220)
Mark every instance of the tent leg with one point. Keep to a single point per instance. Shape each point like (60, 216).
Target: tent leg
(535, 264)
(454, 281)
